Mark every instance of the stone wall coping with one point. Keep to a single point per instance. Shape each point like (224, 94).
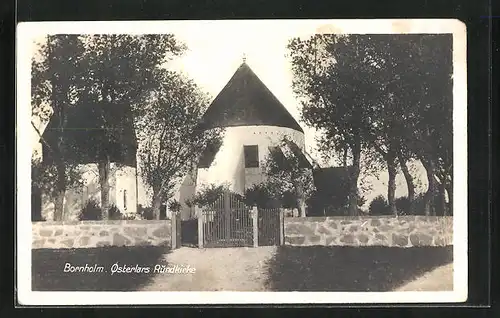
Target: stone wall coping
(108, 222)
(387, 217)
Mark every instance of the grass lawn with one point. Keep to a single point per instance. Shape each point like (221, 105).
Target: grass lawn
(48, 268)
(336, 268)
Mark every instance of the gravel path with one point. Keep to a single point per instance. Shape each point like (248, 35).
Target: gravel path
(217, 269)
(246, 269)
(439, 279)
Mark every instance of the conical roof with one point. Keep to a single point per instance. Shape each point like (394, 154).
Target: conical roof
(246, 101)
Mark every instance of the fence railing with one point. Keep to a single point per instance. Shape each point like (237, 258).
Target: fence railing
(228, 222)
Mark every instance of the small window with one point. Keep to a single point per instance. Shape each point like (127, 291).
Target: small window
(125, 200)
(251, 156)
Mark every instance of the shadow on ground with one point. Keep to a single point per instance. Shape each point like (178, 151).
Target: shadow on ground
(339, 268)
(48, 268)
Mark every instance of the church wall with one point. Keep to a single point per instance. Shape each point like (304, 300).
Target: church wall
(182, 192)
(186, 192)
(126, 190)
(144, 193)
(253, 176)
(228, 166)
(76, 198)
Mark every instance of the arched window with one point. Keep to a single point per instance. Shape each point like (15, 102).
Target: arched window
(125, 200)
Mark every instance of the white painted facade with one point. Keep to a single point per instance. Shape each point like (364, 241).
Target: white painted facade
(182, 192)
(229, 163)
(122, 182)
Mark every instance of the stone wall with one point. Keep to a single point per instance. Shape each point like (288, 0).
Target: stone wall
(404, 231)
(88, 234)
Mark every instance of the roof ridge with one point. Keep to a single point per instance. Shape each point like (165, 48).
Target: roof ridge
(246, 101)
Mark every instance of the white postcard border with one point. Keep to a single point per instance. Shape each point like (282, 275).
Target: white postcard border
(28, 30)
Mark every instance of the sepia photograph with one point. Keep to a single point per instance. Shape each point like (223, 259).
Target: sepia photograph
(247, 161)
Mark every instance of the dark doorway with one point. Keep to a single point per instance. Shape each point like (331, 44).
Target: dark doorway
(189, 232)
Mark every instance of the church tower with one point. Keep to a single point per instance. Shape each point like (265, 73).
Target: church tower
(254, 121)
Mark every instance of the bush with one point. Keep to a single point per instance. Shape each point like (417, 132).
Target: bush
(115, 213)
(419, 204)
(379, 206)
(289, 200)
(260, 196)
(146, 213)
(208, 195)
(403, 206)
(174, 205)
(91, 211)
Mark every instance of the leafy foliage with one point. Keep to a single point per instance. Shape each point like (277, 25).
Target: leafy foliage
(259, 195)
(169, 134)
(90, 211)
(388, 96)
(146, 213)
(44, 177)
(115, 213)
(208, 194)
(288, 175)
(53, 87)
(174, 205)
(403, 206)
(103, 79)
(379, 206)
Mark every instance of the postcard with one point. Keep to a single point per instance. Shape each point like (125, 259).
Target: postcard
(241, 162)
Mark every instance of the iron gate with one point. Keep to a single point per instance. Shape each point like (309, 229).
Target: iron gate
(269, 227)
(227, 223)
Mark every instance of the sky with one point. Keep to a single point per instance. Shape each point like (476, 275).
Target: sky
(213, 58)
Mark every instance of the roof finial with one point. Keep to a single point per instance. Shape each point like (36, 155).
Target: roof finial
(244, 58)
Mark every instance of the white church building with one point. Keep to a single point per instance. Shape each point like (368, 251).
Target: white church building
(254, 121)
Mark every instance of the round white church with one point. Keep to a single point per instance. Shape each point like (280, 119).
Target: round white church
(254, 121)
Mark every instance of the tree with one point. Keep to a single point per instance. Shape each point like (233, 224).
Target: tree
(386, 95)
(287, 171)
(336, 83)
(429, 126)
(170, 136)
(121, 70)
(55, 73)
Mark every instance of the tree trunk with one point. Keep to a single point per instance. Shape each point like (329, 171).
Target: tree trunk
(58, 159)
(104, 169)
(353, 187)
(344, 159)
(157, 201)
(60, 192)
(302, 208)
(431, 190)
(409, 182)
(442, 198)
(391, 186)
(156, 206)
(299, 195)
(59, 205)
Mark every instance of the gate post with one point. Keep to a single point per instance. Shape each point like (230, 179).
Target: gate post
(282, 227)
(255, 225)
(200, 229)
(174, 229)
